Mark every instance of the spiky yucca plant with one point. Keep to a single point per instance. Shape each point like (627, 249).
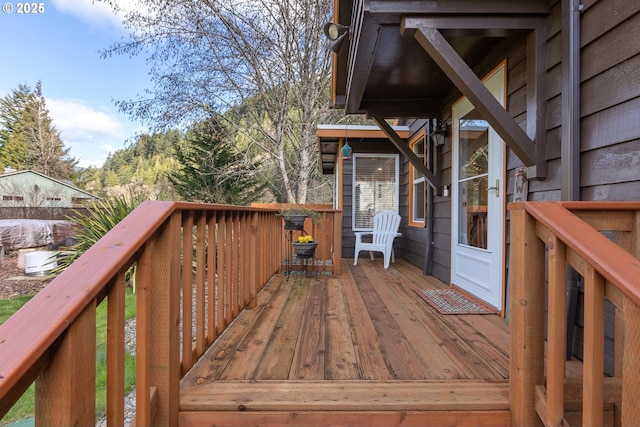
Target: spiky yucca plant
(102, 217)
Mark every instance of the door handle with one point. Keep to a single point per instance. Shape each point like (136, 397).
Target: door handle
(497, 188)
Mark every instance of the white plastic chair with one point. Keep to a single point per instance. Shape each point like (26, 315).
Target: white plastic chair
(385, 229)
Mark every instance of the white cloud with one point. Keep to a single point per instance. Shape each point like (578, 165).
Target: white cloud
(89, 132)
(96, 14)
(99, 15)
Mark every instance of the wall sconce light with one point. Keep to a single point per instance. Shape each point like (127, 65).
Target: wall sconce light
(346, 151)
(336, 33)
(439, 132)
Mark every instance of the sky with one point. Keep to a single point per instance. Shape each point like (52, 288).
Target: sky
(60, 47)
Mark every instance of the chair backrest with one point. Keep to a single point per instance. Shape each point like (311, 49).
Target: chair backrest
(385, 226)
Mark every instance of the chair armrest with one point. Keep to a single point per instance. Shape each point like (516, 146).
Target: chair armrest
(359, 235)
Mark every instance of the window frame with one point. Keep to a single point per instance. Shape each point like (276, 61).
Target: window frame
(413, 221)
(396, 198)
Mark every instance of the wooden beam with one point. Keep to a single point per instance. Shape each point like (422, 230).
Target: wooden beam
(536, 98)
(473, 24)
(403, 108)
(403, 147)
(494, 7)
(472, 87)
(357, 78)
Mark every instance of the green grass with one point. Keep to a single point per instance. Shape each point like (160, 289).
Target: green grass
(10, 306)
(24, 407)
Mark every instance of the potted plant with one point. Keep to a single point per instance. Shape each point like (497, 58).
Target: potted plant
(305, 246)
(295, 216)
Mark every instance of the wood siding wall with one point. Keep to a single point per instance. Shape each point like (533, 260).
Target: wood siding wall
(610, 126)
(610, 101)
(610, 123)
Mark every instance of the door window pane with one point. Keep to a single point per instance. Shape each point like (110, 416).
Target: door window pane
(473, 179)
(474, 147)
(472, 225)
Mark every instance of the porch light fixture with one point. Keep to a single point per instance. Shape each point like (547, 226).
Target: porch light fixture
(336, 33)
(439, 132)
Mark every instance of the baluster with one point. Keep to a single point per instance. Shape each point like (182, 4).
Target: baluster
(115, 352)
(556, 333)
(200, 285)
(212, 332)
(593, 368)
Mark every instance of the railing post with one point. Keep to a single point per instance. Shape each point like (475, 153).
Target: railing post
(631, 365)
(65, 391)
(526, 271)
(157, 335)
(337, 242)
(631, 350)
(187, 291)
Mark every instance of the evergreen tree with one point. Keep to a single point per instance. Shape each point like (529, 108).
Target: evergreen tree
(47, 152)
(28, 139)
(213, 171)
(14, 147)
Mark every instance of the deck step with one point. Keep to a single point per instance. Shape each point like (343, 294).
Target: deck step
(346, 402)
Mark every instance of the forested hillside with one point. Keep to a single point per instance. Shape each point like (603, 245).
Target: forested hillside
(141, 168)
(221, 159)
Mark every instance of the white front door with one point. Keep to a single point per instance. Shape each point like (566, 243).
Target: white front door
(478, 210)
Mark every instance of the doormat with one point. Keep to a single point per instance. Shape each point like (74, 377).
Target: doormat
(450, 301)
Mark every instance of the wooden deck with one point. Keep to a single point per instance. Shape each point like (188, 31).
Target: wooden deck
(358, 349)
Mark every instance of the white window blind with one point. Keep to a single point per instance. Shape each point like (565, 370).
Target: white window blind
(375, 187)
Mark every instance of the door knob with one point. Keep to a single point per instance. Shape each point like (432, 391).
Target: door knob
(497, 188)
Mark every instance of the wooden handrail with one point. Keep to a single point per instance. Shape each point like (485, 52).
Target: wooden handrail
(216, 256)
(549, 236)
(27, 336)
(616, 265)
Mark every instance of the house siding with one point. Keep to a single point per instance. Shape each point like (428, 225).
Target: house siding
(609, 131)
(610, 125)
(31, 189)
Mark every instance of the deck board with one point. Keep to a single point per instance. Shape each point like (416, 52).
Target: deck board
(349, 396)
(362, 341)
(278, 356)
(405, 363)
(308, 360)
(340, 362)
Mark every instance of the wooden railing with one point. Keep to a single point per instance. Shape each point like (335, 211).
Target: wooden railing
(326, 230)
(548, 237)
(197, 267)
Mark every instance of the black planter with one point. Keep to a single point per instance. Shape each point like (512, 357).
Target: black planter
(305, 250)
(294, 222)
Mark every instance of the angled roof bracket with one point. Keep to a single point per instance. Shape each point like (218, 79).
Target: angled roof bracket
(427, 31)
(403, 147)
